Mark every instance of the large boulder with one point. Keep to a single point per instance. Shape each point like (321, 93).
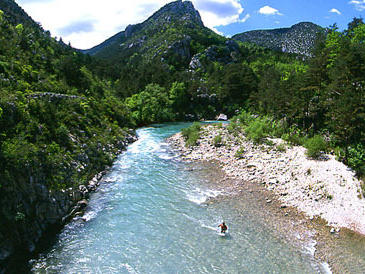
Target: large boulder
(222, 117)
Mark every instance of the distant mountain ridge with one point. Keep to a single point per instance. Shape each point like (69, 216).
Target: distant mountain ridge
(175, 30)
(297, 39)
(174, 12)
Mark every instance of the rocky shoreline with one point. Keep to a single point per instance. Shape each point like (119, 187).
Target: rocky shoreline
(322, 188)
(46, 211)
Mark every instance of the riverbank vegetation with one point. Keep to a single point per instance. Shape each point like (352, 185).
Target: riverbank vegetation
(318, 98)
(61, 110)
(191, 134)
(321, 95)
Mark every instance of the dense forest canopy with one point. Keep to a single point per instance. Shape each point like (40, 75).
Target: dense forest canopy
(323, 93)
(53, 109)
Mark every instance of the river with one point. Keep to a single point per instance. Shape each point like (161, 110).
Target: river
(154, 213)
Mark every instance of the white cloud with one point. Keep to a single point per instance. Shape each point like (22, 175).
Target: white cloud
(217, 31)
(335, 11)
(108, 17)
(359, 4)
(244, 19)
(216, 13)
(267, 10)
(102, 19)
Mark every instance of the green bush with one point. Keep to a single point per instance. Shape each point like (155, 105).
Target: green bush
(218, 125)
(258, 129)
(294, 136)
(315, 146)
(245, 118)
(356, 158)
(340, 153)
(278, 129)
(281, 147)
(191, 134)
(217, 141)
(234, 128)
(240, 152)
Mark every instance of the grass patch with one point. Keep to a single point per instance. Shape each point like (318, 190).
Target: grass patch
(258, 129)
(281, 147)
(315, 146)
(240, 153)
(192, 134)
(234, 128)
(362, 185)
(219, 125)
(218, 141)
(356, 158)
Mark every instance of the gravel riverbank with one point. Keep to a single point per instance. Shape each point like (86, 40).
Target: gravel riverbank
(324, 188)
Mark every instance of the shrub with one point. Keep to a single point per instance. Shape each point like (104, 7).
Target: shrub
(362, 185)
(219, 125)
(240, 152)
(315, 146)
(217, 141)
(245, 118)
(281, 147)
(258, 129)
(278, 129)
(356, 158)
(234, 128)
(193, 139)
(191, 134)
(294, 136)
(340, 153)
(269, 142)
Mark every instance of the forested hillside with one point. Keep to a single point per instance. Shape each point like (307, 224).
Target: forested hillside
(60, 124)
(171, 67)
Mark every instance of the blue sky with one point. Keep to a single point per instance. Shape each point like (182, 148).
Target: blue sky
(290, 12)
(86, 23)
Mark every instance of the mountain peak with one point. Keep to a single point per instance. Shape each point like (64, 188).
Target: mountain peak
(181, 10)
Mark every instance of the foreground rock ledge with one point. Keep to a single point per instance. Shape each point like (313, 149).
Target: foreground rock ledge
(44, 212)
(325, 188)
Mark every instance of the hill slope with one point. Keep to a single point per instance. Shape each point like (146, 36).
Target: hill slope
(174, 33)
(297, 39)
(16, 15)
(58, 128)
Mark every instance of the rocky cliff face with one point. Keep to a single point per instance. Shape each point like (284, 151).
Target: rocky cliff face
(298, 39)
(224, 54)
(30, 210)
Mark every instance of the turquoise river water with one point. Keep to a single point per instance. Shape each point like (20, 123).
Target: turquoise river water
(150, 215)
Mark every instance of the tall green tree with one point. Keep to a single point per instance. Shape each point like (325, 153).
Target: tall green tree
(150, 105)
(346, 92)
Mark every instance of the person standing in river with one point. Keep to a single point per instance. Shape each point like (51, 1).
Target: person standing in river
(223, 227)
